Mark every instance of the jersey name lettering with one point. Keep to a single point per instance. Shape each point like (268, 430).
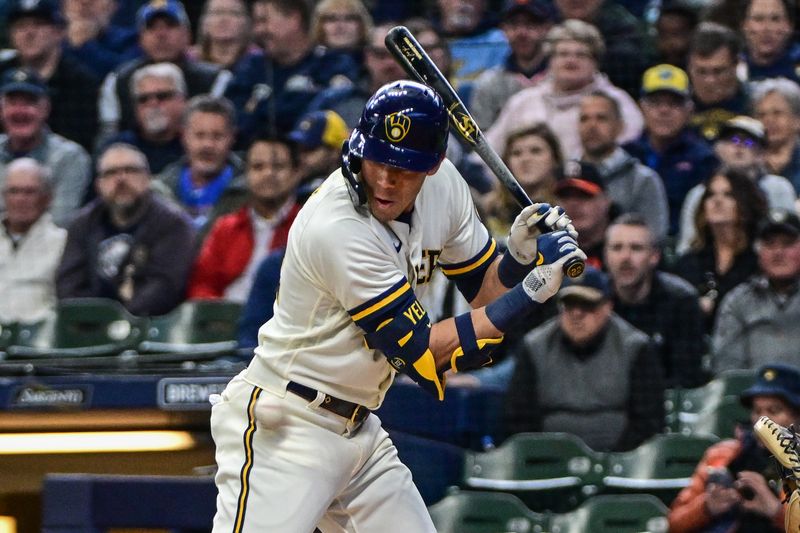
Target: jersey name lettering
(414, 313)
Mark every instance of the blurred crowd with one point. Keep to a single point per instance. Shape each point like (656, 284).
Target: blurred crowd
(153, 152)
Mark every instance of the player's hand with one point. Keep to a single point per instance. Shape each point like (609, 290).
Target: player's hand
(555, 249)
(522, 237)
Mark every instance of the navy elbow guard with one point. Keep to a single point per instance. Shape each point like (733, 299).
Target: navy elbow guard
(473, 352)
(404, 339)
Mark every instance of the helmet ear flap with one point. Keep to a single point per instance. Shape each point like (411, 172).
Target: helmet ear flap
(351, 166)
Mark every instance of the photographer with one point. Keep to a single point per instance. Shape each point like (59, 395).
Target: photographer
(736, 486)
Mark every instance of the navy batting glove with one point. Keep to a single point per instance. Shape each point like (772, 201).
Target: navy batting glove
(553, 246)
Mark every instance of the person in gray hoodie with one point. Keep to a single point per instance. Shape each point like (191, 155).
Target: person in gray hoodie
(630, 185)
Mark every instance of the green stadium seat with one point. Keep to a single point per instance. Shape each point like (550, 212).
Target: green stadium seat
(485, 512)
(685, 406)
(630, 513)
(548, 471)
(662, 466)
(8, 334)
(195, 326)
(719, 420)
(80, 327)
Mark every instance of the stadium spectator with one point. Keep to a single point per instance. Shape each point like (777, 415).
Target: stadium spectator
(630, 185)
(740, 146)
(36, 28)
(208, 181)
(735, 486)
(24, 108)
(776, 103)
(474, 41)
(721, 255)
(275, 92)
(660, 304)
(587, 372)
(574, 49)
(30, 244)
(259, 305)
(626, 54)
(673, 31)
(757, 321)
(238, 242)
(128, 244)
(94, 40)
(164, 36)
(525, 24)
(717, 92)
(318, 137)
(159, 100)
(380, 68)
(224, 37)
(582, 193)
(770, 51)
(343, 26)
(534, 157)
(668, 145)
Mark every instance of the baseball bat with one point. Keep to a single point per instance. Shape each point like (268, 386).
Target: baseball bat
(417, 64)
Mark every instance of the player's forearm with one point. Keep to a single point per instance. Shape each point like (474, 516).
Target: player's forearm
(491, 288)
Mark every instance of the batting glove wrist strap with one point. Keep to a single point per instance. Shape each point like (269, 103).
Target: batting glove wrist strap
(510, 307)
(510, 271)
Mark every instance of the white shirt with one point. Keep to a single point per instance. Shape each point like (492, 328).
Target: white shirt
(27, 271)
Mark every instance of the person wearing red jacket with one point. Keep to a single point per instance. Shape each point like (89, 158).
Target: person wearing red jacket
(237, 242)
(735, 488)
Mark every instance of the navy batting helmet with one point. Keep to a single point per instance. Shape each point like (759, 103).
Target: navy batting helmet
(404, 124)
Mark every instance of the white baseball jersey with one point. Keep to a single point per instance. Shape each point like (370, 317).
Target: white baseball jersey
(286, 464)
(342, 265)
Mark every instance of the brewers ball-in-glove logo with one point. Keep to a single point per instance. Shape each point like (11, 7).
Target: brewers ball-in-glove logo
(397, 126)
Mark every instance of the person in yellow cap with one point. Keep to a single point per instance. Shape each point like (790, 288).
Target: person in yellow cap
(668, 144)
(318, 136)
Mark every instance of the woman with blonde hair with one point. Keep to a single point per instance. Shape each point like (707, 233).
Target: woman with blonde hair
(533, 155)
(342, 26)
(574, 49)
(224, 37)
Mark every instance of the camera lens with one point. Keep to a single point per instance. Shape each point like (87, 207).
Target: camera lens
(747, 493)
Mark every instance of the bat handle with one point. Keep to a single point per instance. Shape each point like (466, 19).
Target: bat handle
(572, 268)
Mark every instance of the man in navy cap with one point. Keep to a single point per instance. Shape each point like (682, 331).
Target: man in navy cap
(735, 485)
(164, 36)
(36, 31)
(757, 321)
(587, 372)
(24, 108)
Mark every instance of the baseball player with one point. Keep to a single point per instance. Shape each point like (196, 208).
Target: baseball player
(297, 445)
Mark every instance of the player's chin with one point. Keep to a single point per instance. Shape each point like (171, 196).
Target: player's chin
(384, 210)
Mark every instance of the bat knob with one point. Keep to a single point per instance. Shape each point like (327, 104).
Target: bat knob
(574, 267)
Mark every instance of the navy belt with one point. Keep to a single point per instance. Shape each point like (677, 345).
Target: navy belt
(352, 411)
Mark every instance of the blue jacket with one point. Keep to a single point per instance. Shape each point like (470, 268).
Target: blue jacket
(273, 97)
(685, 163)
(107, 51)
(258, 308)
